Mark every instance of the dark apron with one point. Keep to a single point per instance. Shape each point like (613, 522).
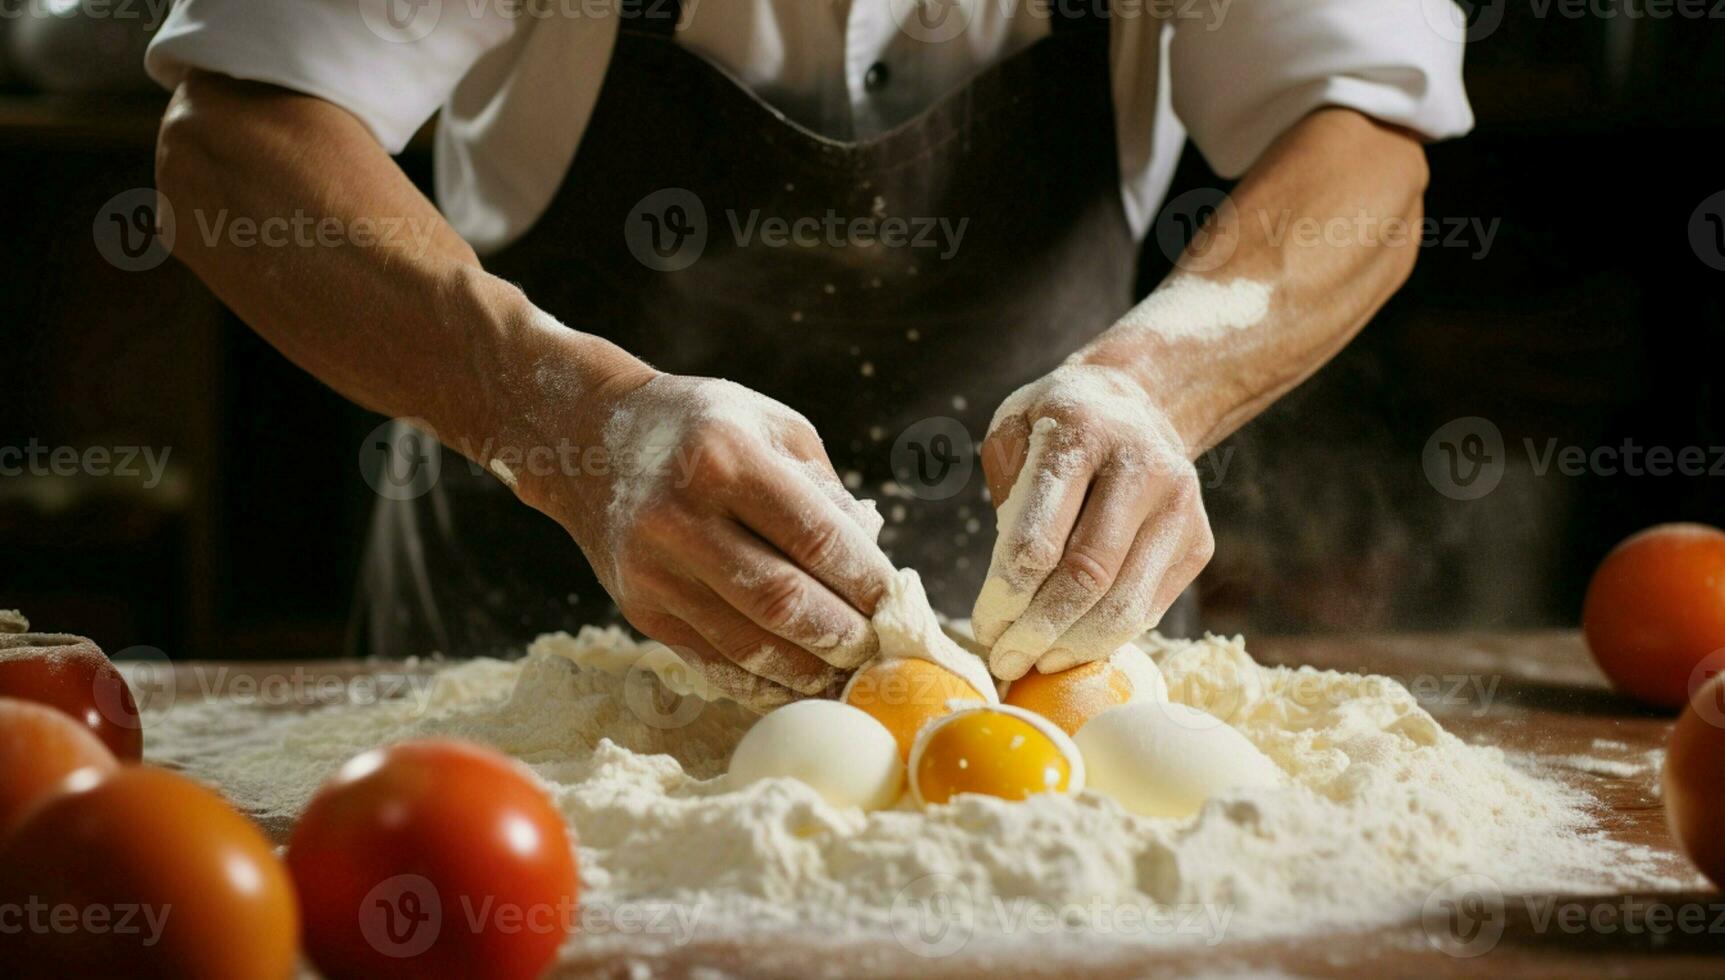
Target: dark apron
(898, 352)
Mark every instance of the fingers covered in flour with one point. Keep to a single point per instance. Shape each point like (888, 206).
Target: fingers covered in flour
(1169, 552)
(755, 579)
(1101, 527)
(813, 461)
(723, 674)
(1120, 501)
(782, 506)
(720, 526)
(1034, 522)
(752, 648)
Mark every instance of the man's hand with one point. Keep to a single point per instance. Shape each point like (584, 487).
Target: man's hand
(737, 546)
(721, 530)
(1101, 524)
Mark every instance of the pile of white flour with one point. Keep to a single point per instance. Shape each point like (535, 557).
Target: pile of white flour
(1382, 807)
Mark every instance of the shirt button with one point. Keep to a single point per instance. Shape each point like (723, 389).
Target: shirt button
(876, 77)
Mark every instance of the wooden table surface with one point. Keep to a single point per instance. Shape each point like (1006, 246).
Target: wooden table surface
(1535, 693)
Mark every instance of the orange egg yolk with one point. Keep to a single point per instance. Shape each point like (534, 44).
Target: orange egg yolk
(992, 753)
(906, 694)
(1070, 698)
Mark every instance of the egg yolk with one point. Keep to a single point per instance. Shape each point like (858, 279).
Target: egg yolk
(1072, 697)
(904, 695)
(989, 752)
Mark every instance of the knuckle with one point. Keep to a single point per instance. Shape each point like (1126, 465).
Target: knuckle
(1090, 441)
(779, 602)
(1205, 547)
(714, 456)
(1057, 405)
(1086, 570)
(1130, 465)
(710, 470)
(817, 545)
(1152, 464)
(1182, 496)
(1070, 436)
(870, 592)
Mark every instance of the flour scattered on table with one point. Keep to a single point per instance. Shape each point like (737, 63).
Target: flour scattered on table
(1648, 762)
(1597, 766)
(1381, 807)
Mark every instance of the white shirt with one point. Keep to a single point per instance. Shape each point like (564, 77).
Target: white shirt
(516, 83)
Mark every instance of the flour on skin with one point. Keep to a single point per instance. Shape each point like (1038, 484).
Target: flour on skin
(1194, 308)
(1087, 424)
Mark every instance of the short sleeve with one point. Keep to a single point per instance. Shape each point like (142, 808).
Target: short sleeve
(391, 63)
(1240, 83)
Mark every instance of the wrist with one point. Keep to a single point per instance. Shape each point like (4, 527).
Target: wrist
(1174, 395)
(538, 392)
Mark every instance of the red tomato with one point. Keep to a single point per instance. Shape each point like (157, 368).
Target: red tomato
(74, 675)
(433, 858)
(1656, 609)
(39, 747)
(1694, 780)
(141, 872)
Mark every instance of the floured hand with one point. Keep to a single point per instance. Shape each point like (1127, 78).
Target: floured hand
(721, 530)
(1101, 523)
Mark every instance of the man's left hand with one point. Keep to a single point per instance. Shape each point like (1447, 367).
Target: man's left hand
(1101, 523)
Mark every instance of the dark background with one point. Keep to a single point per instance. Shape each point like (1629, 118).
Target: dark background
(1590, 319)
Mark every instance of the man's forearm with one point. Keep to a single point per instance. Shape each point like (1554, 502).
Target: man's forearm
(300, 222)
(731, 540)
(1219, 341)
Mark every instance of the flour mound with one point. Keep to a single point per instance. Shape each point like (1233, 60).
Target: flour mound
(1381, 807)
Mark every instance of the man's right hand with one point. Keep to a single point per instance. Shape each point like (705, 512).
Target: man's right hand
(742, 551)
(719, 527)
